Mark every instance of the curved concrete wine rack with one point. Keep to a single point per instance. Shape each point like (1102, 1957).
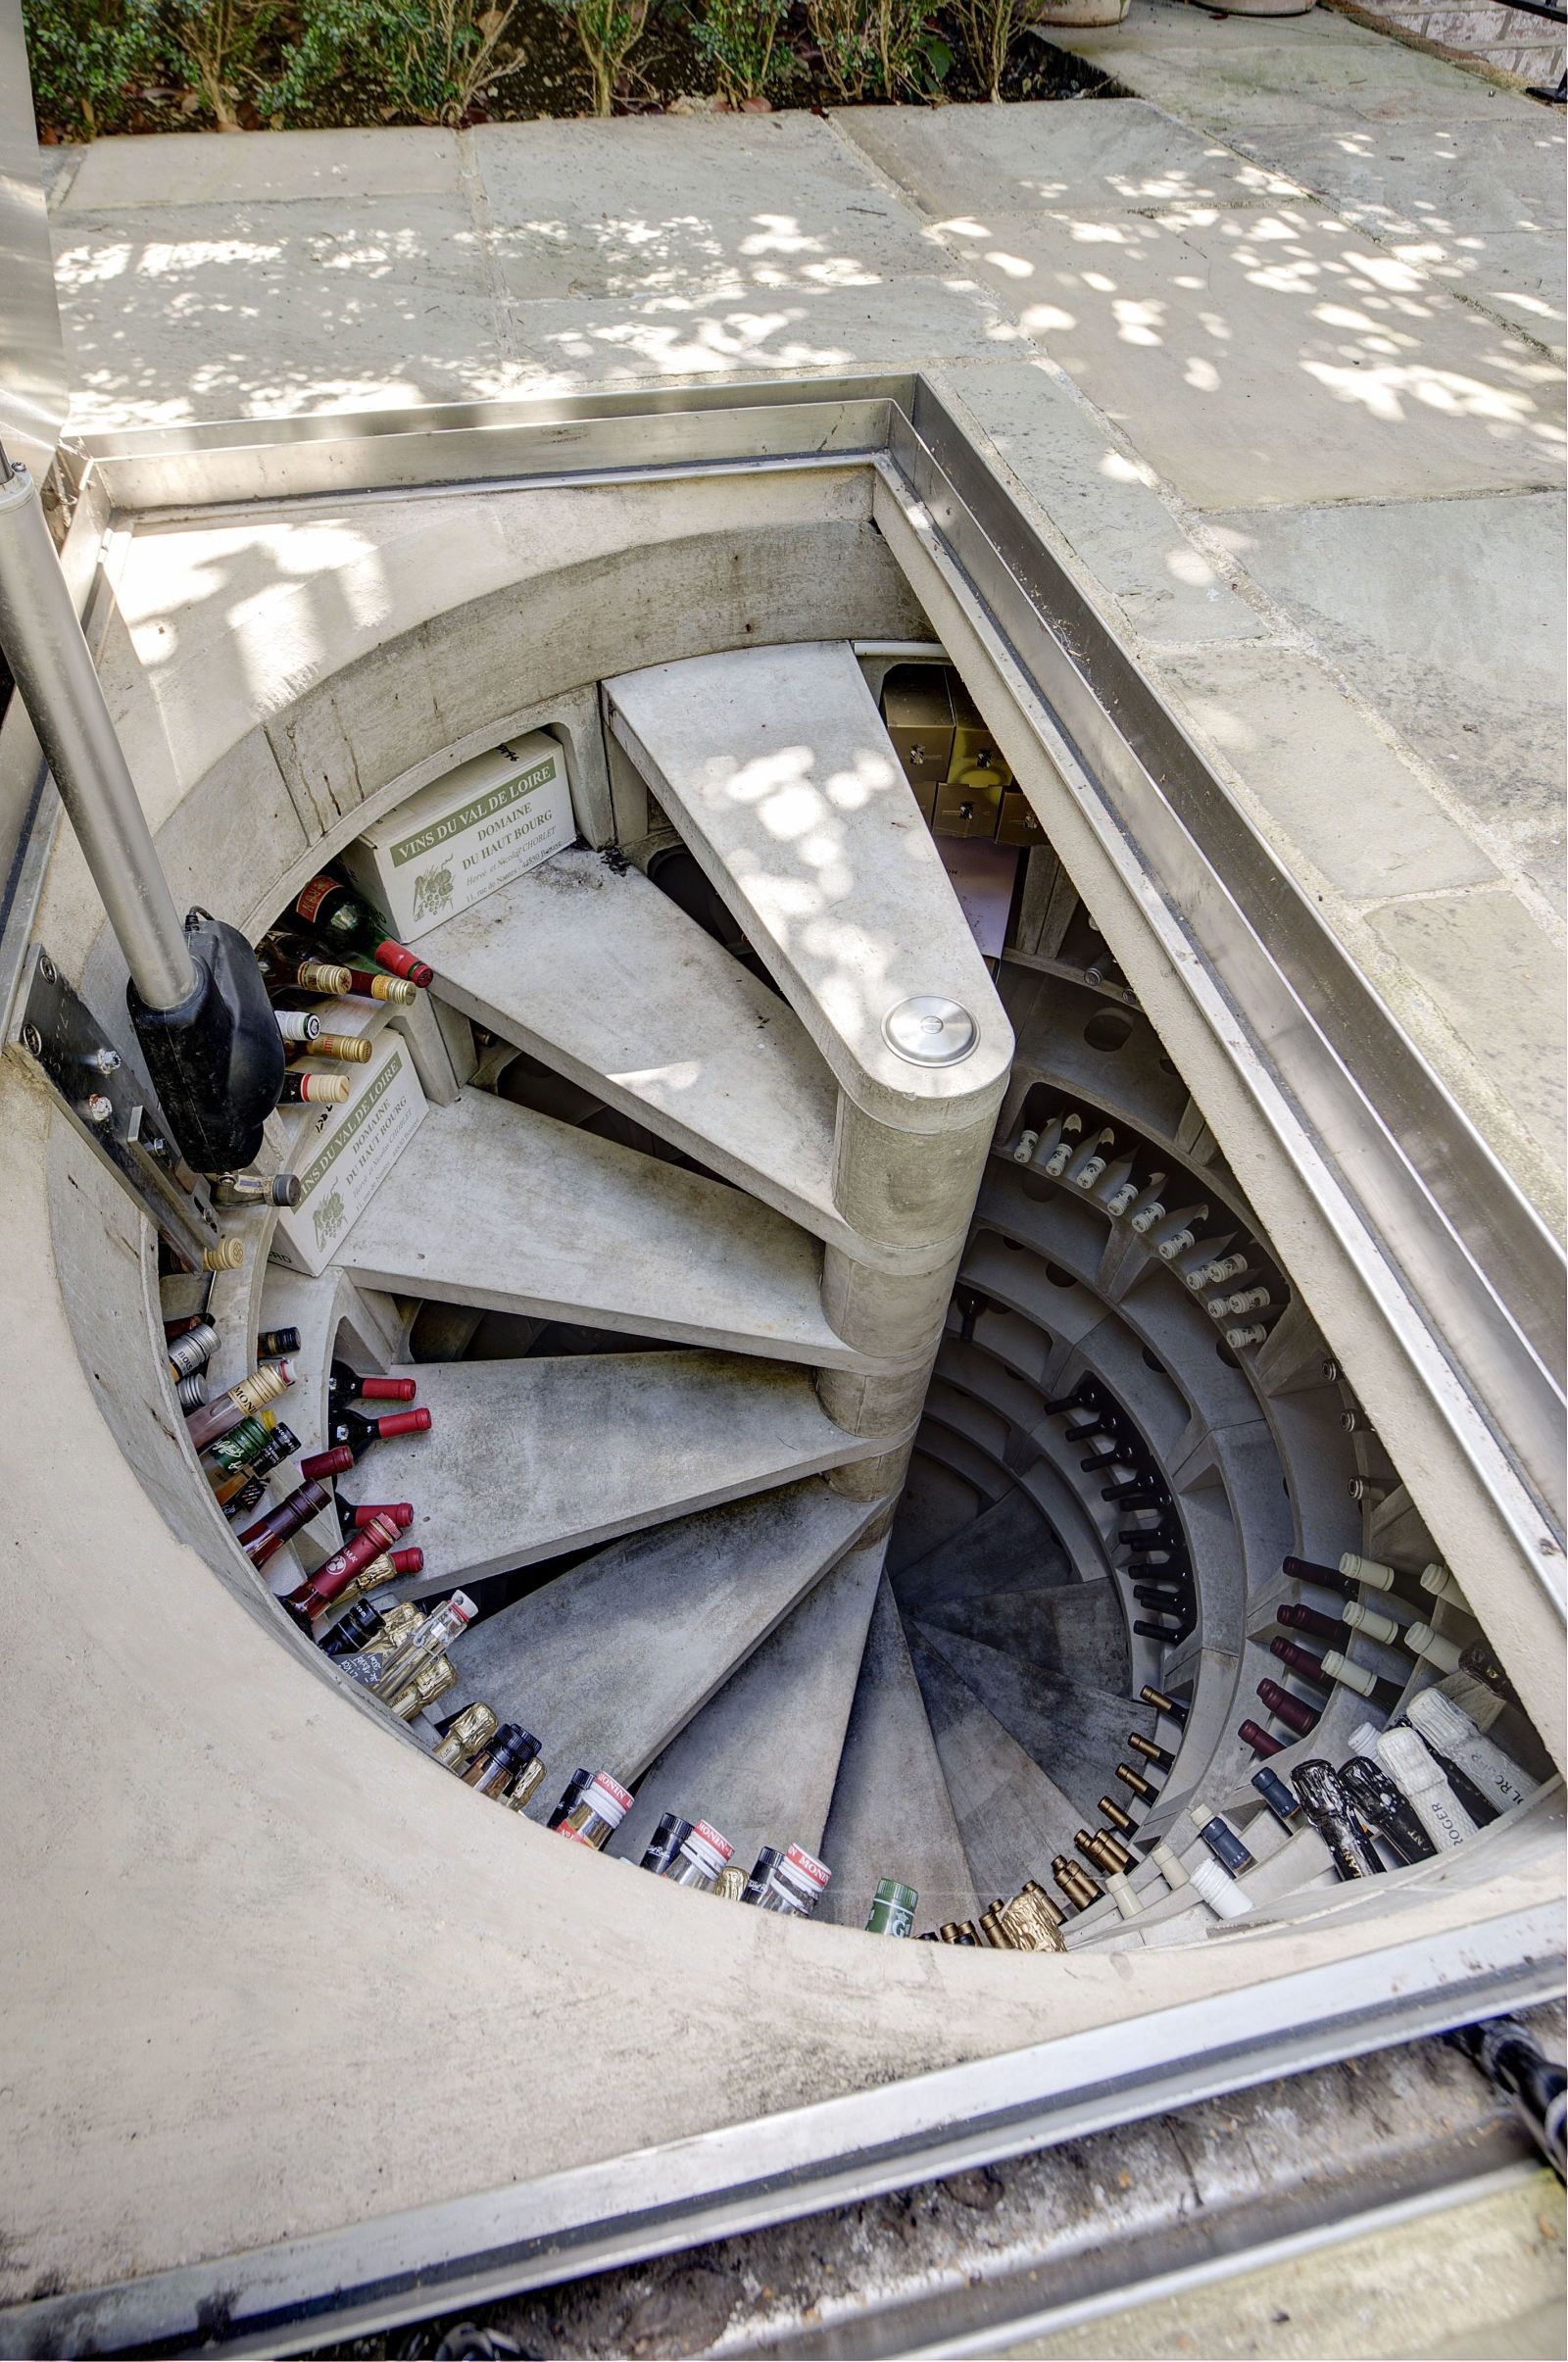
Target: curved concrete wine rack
(294, 1995)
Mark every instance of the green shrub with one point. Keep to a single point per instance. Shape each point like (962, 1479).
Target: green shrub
(878, 48)
(607, 33)
(224, 41)
(739, 38)
(988, 30)
(87, 57)
(427, 60)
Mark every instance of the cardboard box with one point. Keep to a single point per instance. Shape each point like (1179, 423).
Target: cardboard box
(471, 830)
(917, 714)
(346, 1153)
(1019, 823)
(973, 747)
(968, 807)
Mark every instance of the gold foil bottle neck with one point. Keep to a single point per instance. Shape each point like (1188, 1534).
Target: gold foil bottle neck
(1043, 1902)
(994, 1929)
(730, 1884)
(525, 1782)
(433, 1680)
(475, 1728)
(1029, 1929)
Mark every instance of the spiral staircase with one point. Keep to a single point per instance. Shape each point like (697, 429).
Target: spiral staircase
(684, 1313)
(749, 1329)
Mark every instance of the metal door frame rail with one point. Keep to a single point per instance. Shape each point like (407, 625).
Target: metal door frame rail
(376, 2276)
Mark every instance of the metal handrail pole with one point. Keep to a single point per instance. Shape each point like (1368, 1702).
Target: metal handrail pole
(52, 665)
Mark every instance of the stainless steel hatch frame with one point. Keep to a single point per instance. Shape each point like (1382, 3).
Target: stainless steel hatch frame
(1449, 1269)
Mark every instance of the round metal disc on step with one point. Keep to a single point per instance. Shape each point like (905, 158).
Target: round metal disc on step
(930, 1031)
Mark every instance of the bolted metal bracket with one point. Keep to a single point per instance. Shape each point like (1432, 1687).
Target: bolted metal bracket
(111, 1107)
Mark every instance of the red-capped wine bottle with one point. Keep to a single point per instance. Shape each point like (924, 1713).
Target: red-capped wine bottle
(1296, 1619)
(354, 1515)
(1295, 1712)
(341, 922)
(1253, 1735)
(319, 1590)
(1308, 1571)
(345, 1386)
(351, 1432)
(268, 1533)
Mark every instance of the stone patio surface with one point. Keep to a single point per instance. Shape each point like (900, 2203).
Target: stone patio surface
(1272, 348)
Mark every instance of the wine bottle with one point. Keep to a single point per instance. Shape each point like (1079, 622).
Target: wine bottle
(466, 1736)
(601, 1805)
(570, 1797)
(892, 1911)
(192, 1351)
(1224, 1896)
(353, 1632)
(1450, 1732)
(237, 1490)
(449, 1622)
(1178, 1234)
(1285, 1807)
(353, 1514)
(1252, 1734)
(331, 1580)
(313, 1091)
(345, 1385)
(1295, 1712)
(1163, 1705)
(1423, 1783)
(1330, 1578)
(1221, 1838)
(798, 1884)
(341, 922)
(1076, 1882)
(353, 1434)
(1117, 1816)
(240, 1445)
(1334, 1817)
(263, 1540)
(349, 1048)
(1311, 1621)
(1159, 1756)
(226, 1410)
(1123, 1893)
(1137, 1783)
(662, 1846)
(491, 1773)
(1385, 1810)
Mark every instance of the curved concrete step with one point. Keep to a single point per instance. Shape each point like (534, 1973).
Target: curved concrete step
(760, 1759)
(1078, 1632)
(1076, 1733)
(593, 970)
(892, 1816)
(934, 1506)
(493, 1205)
(1007, 1546)
(1011, 1816)
(774, 765)
(525, 1459)
(609, 1661)
(977, 1468)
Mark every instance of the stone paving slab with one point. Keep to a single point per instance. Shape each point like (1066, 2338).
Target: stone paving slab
(765, 200)
(1310, 760)
(281, 166)
(1109, 153)
(1311, 71)
(1084, 488)
(215, 311)
(1275, 355)
(1495, 979)
(1442, 178)
(1448, 618)
(735, 331)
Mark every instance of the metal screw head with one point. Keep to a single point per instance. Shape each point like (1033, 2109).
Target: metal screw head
(32, 1041)
(98, 1109)
(46, 967)
(930, 1031)
(105, 1061)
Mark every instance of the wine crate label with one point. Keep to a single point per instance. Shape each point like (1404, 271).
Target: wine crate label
(345, 1156)
(467, 833)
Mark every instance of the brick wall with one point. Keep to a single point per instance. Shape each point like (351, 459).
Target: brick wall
(1506, 40)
